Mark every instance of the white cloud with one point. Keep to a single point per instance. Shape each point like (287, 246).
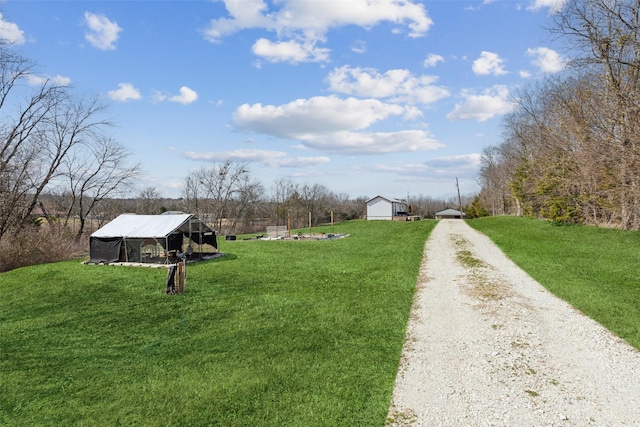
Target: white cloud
(396, 85)
(158, 96)
(125, 92)
(290, 51)
(331, 124)
(321, 16)
(360, 46)
(547, 60)
(313, 116)
(10, 32)
(307, 22)
(363, 143)
(553, 5)
(462, 162)
(57, 80)
(298, 162)
(463, 165)
(278, 159)
(242, 155)
(243, 14)
(187, 96)
(432, 60)
(524, 74)
(102, 33)
(411, 112)
(488, 63)
(490, 103)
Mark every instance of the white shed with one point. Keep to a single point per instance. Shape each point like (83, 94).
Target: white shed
(450, 214)
(384, 208)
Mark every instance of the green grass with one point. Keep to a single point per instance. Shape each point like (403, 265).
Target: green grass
(596, 270)
(293, 333)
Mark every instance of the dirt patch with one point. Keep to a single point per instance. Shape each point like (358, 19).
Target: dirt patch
(482, 282)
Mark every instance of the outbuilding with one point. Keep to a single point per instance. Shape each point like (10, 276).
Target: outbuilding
(384, 208)
(152, 239)
(450, 214)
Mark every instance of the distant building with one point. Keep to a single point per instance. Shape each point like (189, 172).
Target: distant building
(450, 214)
(384, 208)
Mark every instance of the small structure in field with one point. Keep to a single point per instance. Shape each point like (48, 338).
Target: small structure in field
(450, 214)
(384, 208)
(277, 231)
(153, 239)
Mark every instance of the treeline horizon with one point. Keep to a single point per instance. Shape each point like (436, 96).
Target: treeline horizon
(240, 208)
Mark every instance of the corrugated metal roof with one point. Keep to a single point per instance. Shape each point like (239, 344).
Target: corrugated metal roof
(142, 226)
(389, 199)
(450, 212)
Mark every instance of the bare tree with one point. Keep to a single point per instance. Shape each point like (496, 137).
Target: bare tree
(282, 192)
(42, 128)
(148, 201)
(246, 204)
(495, 175)
(317, 199)
(605, 36)
(346, 208)
(215, 188)
(191, 196)
(98, 169)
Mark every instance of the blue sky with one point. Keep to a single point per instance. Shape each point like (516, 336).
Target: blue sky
(390, 97)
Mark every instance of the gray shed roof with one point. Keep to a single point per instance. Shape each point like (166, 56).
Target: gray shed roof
(450, 212)
(389, 199)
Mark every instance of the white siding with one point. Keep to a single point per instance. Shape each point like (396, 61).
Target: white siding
(379, 208)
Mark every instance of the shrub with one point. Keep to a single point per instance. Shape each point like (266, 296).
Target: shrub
(39, 245)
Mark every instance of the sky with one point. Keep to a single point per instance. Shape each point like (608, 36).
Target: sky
(366, 97)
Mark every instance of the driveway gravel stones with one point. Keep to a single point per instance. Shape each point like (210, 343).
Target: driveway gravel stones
(487, 345)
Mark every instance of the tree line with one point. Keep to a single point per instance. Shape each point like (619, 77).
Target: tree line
(228, 198)
(571, 148)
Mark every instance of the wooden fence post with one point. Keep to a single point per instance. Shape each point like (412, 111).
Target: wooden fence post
(177, 278)
(181, 276)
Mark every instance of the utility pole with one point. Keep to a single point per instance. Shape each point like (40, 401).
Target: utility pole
(459, 200)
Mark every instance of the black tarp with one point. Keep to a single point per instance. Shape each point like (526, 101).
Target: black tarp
(171, 280)
(104, 249)
(175, 242)
(208, 238)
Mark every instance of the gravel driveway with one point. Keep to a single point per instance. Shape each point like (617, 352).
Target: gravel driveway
(489, 346)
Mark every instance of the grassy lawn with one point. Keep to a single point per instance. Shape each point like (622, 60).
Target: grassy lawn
(276, 333)
(596, 270)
